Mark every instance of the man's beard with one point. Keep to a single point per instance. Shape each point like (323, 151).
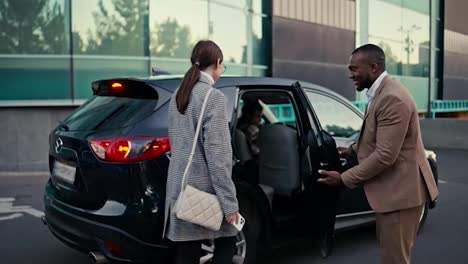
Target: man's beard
(365, 84)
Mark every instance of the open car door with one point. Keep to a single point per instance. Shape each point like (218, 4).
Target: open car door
(318, 200)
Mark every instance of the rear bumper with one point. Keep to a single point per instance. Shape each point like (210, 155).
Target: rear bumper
(86, 235)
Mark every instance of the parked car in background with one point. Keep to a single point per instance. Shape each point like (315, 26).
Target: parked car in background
(109, 158)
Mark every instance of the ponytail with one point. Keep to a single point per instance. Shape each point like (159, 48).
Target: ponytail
(191, 77)
(204, 54)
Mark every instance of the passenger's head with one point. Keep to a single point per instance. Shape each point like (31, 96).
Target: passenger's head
(252, 111)
(206, 56)
(365, 65)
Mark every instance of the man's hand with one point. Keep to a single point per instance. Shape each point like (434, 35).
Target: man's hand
(333, 178)
(345, 152)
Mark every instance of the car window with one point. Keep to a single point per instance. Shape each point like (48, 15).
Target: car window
(335, 117)
(109, 112)
(277, 107)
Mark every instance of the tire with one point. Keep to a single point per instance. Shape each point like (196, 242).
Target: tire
(423, 216)
(427, 204)
(248, 250)
(239, 255)
(251, 230)
(434, 169)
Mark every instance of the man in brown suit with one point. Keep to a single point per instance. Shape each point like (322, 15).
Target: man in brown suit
(392, 165)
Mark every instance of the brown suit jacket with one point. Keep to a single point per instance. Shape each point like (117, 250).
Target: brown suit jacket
(392, 164)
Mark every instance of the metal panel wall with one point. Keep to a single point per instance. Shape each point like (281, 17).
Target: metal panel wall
(312, 41)
(456, 50)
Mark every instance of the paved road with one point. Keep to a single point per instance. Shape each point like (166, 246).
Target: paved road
(444, 240)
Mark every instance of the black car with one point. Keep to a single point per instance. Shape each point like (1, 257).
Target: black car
(109, 158)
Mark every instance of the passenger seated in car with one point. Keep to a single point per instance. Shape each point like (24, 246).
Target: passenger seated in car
(249, 123)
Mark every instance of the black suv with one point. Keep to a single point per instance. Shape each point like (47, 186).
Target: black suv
(109, 158)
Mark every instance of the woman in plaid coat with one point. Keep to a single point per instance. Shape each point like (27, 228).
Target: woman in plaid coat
(211, 167)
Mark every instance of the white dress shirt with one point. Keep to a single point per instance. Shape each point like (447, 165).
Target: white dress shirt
(373, 89)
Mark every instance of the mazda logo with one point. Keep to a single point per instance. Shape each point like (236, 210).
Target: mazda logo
(58, 145)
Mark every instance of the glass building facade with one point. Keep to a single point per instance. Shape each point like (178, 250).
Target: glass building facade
(409, 33)
(51, 50)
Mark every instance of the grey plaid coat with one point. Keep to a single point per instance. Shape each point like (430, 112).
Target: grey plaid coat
(212, 162)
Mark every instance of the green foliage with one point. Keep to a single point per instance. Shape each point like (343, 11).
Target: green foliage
(32, 27)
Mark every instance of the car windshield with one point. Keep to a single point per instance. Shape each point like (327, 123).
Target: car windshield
(109, 112)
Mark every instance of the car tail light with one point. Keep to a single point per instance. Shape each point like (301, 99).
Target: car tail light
(128, 149)
(117, 86)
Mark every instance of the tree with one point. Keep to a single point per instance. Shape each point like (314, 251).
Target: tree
(171, 40)
(32, 27)
(122, 32)
(393, 65)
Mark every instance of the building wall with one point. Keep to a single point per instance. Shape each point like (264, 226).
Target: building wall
(455, 50)
(52, 50)
(312, 41)
(26, 132)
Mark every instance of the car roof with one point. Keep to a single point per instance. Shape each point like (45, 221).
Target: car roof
(171, 82)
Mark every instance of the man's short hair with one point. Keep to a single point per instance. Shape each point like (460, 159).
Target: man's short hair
(374, 53)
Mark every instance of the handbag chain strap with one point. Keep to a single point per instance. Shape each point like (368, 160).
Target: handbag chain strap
(197, 132)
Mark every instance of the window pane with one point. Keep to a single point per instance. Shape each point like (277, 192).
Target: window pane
(238, 4)
(336, 118)
(110, 38)
(380, 15)
(260, 52)
(232, 39)
(109, 27)
(174, 32)
(416, 43)
(393, 54)
(33, 50)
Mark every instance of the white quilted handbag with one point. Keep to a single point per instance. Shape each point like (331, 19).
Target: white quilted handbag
(195, 206)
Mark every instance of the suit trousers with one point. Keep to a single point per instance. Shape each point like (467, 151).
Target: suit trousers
(189, 252)
(396, 233)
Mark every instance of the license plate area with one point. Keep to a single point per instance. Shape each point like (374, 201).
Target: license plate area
(64, 172)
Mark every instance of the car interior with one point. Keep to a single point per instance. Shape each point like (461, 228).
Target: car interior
(277, 165)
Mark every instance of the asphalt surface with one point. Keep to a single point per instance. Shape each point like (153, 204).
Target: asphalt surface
(24, 239)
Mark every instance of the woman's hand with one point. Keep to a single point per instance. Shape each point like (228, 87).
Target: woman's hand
(233, 218)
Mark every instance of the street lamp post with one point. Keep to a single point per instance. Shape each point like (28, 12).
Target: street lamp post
(408, 41)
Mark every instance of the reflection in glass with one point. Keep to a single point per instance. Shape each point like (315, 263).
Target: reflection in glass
(114, 28)
(384, 20)
(117, 28)
(335, 117)
(406, 40)
(32, 27)
(174, 30)
(33, 47)
(393, 54)
(170, 39)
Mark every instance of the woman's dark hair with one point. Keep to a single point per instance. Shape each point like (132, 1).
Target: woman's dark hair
(204, 54)
(251, 107)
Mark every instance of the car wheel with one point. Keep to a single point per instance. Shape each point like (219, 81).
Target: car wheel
(246, 240)
(423, 216)
(239, 255)
(435, 172)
